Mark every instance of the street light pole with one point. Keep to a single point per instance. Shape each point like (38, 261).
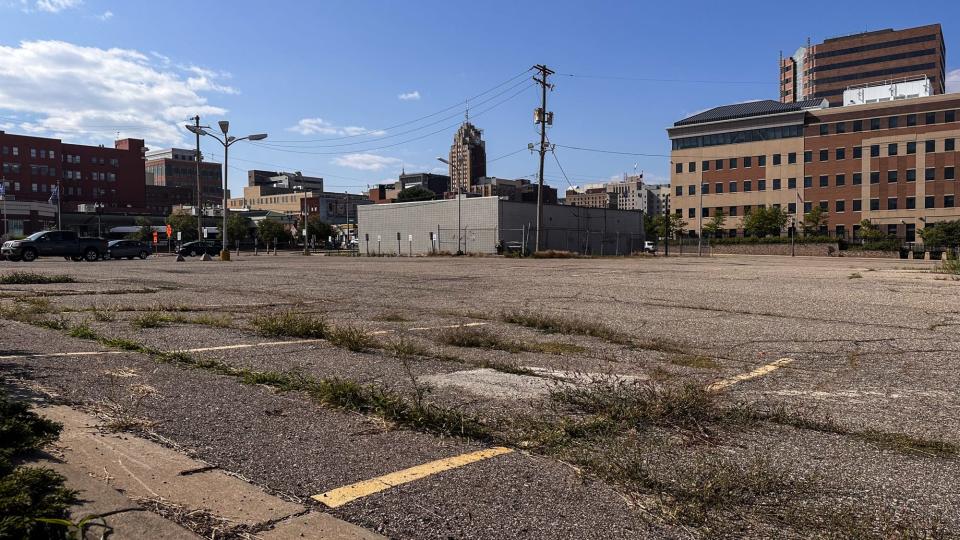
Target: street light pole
(700, 224)
(199, 206)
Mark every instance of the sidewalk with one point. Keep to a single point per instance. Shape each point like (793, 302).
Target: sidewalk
(132, 483)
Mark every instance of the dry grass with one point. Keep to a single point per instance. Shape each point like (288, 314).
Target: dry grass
(33, 278)
(291, 324)
(351, 338)
(479, 338)
(201, 522)
(563, 325)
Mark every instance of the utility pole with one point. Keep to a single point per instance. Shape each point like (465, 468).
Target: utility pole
(666, 226)
(196, 120)
(542, 117)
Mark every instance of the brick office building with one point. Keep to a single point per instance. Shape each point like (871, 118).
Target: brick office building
(825, 70)
(172, 176)
(87, 175)
(893, 163)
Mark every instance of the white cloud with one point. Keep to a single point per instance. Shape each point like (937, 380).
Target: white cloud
(105, 16)
(366, 162)
(56, 6)
(319, 126)
(409, 96)
(953, 81)
(87, 94)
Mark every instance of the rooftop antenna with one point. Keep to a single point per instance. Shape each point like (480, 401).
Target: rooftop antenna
(466, 111)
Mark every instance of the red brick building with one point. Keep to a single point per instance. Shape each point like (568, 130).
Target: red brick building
(113, 177)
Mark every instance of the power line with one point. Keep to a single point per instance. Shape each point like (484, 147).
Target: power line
(507, 155)
(651, 79)
(360, 150)
(415, 120)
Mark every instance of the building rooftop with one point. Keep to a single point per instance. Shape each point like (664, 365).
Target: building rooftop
(749, 109)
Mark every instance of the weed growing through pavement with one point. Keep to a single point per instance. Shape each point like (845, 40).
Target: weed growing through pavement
(291, 324)
(121, 405)
(103, 316)
(949, 266)
(562, 325)
(151, 319)
(32, 278)
(471, 337)
(855, 275)
(82, 331)
(352, 338)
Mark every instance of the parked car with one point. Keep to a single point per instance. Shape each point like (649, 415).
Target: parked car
(649, 247)
(199, 247)
(118, 249)
(65, 244)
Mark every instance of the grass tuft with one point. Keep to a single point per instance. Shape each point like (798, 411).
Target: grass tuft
(479, 338)
(291, 324)
(82, 331)
(352, 338)
(32, 278)
(562, 325)
(150, 319)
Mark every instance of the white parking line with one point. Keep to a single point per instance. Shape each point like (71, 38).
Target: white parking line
(759, 372)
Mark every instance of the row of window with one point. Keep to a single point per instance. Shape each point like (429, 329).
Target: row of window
(890, 122)
(856, 179)
(839, 154)
(737, 137)
(839, 206)
(50, 154)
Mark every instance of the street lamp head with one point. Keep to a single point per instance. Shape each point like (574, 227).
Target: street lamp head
(441, 160)
(224, 126)
(257, 137)
(195, 129)
(231, 138)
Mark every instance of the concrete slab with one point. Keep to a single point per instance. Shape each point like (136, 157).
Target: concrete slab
(141, 468)
(318, 525)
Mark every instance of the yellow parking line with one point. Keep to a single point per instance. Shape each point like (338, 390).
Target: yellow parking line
(352, 492)
(759, 372)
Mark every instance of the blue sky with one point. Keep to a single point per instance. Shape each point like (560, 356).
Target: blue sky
(326, 71)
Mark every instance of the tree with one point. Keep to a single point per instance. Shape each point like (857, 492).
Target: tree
(716, 223)
(669, 227)
(181, 221)
(415, 193)
(814, 220)
(319, 229)
(943, 234)
(765, 221)
(270, 231)
(870, 232)
(238, 227)
(145, 233)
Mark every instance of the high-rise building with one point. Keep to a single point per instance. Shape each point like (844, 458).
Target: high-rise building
(468, 158)
(893, 163)
(825, 70)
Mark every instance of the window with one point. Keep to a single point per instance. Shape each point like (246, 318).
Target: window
(911, 119)
(679, 191)
(733, 211)
(33, 187)
(808, 156)
(892, 149)
(748, 161)
(824, 129)
(930, 173)
(841, 206)
(911, 203)
(930, 118)
(874, 150)
(792, 208)
(950, 116)
(807, 207)
(874, 177)
(891, 203)
(733, 187)
(705, 165)
(948, 201)
(930, 146)
(840, 153)
(824, 155)
(747, 186)
(911, 175)
(691, 212)
(761, 185)
(892, 122)
(824, 180)
(733, 163)
(857, 205)
(892, 176)
(692, 166)
(824, 205)
(691, 189)
(791, 157)
(874, 124)
(16, 151)
(912, 147)
(874, 204)
(33, 152)
(791, 183)
(841, 127)
(857, 152)
(949, 173)
(858, 125)
(719, 186)
(718, 164)
(776, 183)
(679, 168)
(776, 159)
(949, 145)
(807, 181)
(705, 189)
(747, 209)
(841, 179)
(761, 161)
(705, 212)
(928, 201)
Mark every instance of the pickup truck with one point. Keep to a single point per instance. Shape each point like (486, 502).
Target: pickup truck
(66, 244)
